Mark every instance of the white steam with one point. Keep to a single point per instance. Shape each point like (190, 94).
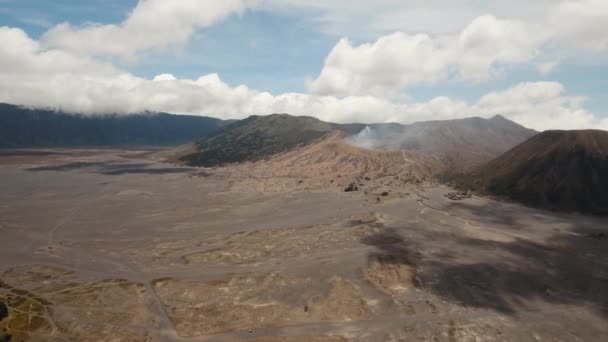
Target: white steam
(379, 137)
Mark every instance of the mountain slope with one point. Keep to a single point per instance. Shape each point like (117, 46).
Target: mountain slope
(330, 162)
(462, 142)
(560, 170)
(23, 127)
(258, 137)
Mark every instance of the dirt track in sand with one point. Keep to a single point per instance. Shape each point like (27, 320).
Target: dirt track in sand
(105, 246)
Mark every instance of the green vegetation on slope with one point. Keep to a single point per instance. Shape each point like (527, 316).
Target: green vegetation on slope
(258, 137)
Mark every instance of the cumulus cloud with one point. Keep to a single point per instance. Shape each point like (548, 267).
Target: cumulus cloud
(539, 105)
(582, 23)
(164, 77)
(476, 53)
(358, 83)
(34, 76)
(385, 66)
(20, 54)
(399, 60)
(489, 41)
(152, 25)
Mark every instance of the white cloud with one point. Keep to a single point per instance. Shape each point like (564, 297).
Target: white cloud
(489, 41)
(539, 105)
(387, 65)
(399, 60)
(21, 54)
(582, 23)
(477, 53)
(164, 77)
(364, 19)
(547, 67)
(152, 25)
(33, 76)
(356, 83)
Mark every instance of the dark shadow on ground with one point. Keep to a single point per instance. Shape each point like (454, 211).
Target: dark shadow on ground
(67, 166)
(392, 249)
(28, 153)
(569, 268)
(501, 213)
(392, 245)
(114, 168)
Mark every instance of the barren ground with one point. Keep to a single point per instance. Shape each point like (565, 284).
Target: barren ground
(108, 246)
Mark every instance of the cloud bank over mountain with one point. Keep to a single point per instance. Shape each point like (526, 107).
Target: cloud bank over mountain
(85, 68)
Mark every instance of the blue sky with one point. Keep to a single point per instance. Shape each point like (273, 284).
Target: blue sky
(263, 50)
(338, 60)
(37, 16)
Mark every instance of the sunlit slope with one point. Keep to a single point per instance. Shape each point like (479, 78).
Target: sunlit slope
(258, 137)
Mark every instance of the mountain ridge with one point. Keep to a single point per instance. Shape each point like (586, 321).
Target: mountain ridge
(464, 142)
(258, 137)
(22, 127)
(556, 170)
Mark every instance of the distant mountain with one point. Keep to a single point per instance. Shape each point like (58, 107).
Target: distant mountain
(24, 127)
(258, 137)
(559, 170)
(462, 142)
(331, 162)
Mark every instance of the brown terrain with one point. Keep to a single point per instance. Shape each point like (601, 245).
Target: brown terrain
(559, 170)
(113, 245)
(321, 241)
(461, 144)
(332, 163)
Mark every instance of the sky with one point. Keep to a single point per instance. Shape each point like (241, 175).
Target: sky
(541, 63)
